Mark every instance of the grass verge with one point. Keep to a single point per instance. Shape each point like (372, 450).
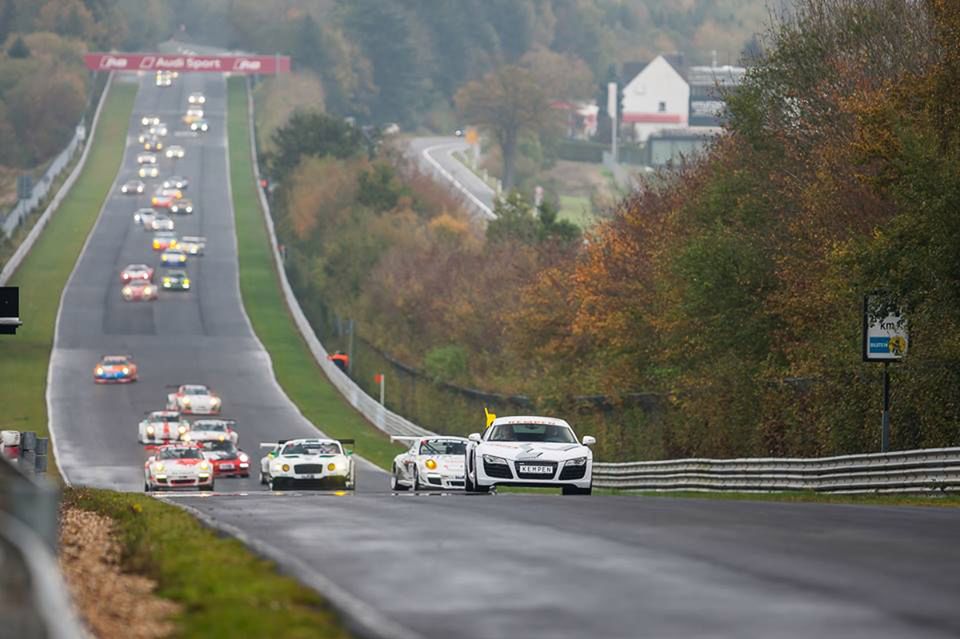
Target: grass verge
(43, 274)
(301, 378)
(224, 589)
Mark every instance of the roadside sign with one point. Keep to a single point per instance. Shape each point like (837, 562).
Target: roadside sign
(471, 136)
(885, 336)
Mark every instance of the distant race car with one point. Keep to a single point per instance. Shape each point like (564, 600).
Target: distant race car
(311, 463)
(159, 129)
(161, 427)
(162, 222)
(173, 257)
(177, 466)
(149, 120)
(132, 187)
(176, 182)
(429, 463)
(220, 430)
(199, 126)
(163, 240)
(193, 114)
(196, 98)
(175, 280)
(148, 171)
(115, 369)
(175, 151)
(529, 451)
(139, 291)
(144, 217)
(133, 272)
(194, 399)
(183, 206)
(193, 244)
(227, 459)
(146, 157)
(152, 143)
(163, 198)
(164, 78)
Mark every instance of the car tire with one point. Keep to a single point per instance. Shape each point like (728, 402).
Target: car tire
(263, 480)
(469, 486)
(276, 485)
(574, 490)
(146, 487)
(395, 485)
(415, 486)
(206, 488)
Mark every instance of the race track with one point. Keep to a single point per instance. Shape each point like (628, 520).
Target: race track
(476, 567)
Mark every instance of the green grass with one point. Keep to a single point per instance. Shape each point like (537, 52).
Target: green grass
(42, 275)
(224, 589)
(299, 375)
(576, 209)
(943, 500)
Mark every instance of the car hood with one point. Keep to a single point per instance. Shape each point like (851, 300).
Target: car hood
(310, 459)
(533, 451)
(181, 465)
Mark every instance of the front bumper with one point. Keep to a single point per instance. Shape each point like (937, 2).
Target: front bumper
(327, 480)
(231, 468)
(121, 379)
(442, 481)
(574, 476)
(199, 410)
(173, 483)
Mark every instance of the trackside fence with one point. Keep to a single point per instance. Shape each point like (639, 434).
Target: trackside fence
(908, 471)
(927, 470)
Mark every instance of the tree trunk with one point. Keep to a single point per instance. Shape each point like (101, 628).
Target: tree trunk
(509, 151)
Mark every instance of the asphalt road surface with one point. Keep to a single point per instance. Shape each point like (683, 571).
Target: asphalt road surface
(431, 152)
(480, 566)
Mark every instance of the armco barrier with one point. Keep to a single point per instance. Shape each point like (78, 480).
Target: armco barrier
(934, 469)
(378, 415)
(18, 256)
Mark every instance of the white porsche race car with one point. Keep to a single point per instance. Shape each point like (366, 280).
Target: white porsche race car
(529, 451)
(194, 399)
(162, 427)
(213, 430)
(430, 463)
(177, 466)
(310, 463)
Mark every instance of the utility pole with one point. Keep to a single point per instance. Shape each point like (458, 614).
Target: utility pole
(885, 420)
(613, 99)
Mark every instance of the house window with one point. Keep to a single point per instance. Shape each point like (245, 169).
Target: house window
(662, 107)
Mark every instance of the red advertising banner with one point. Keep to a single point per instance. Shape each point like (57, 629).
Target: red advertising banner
(249, 64)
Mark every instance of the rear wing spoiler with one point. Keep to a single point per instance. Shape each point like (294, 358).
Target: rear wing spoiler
(279, 442)
(404, 438)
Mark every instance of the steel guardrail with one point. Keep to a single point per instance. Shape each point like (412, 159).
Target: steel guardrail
(922, 470)
(21, 253)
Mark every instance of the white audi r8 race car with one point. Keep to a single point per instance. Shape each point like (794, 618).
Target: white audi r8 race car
(213, 430)
(194, 399)
(430, 463)
(162, 427)
(311, 463)
(529, 451)
(177, 466)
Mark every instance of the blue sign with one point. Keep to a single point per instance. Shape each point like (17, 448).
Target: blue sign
(879, 345)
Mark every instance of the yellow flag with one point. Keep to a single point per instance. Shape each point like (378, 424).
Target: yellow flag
(490, 416)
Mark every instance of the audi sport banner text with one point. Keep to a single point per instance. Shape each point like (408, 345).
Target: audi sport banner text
(187, 63)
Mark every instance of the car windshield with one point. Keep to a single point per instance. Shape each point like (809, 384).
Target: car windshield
(139, 284)
(115, 360)
(163, 417)
(218, 427)
(443, 447)
(548, 433)
(195, 390)
(218, 446)
(181, 453)
(312, 448)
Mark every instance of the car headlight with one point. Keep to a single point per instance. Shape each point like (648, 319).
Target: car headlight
(204, 466)
(126, 370)
(331, 466)
(579, 461)
(186, 283)
(285, 468)
(151, 430)
(158, 467)
(243, 457)
(181, 429)
(99, 370)
(127, 290)
(432, 465)
(216, 401)
(492, 459)
(186, 401)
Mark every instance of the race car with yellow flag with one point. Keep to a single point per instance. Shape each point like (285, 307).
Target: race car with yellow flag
(530, 451)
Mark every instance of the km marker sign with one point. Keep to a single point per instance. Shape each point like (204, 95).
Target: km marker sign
(247, 64)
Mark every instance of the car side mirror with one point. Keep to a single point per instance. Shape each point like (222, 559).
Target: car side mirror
(474, 437)
(589, 440)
